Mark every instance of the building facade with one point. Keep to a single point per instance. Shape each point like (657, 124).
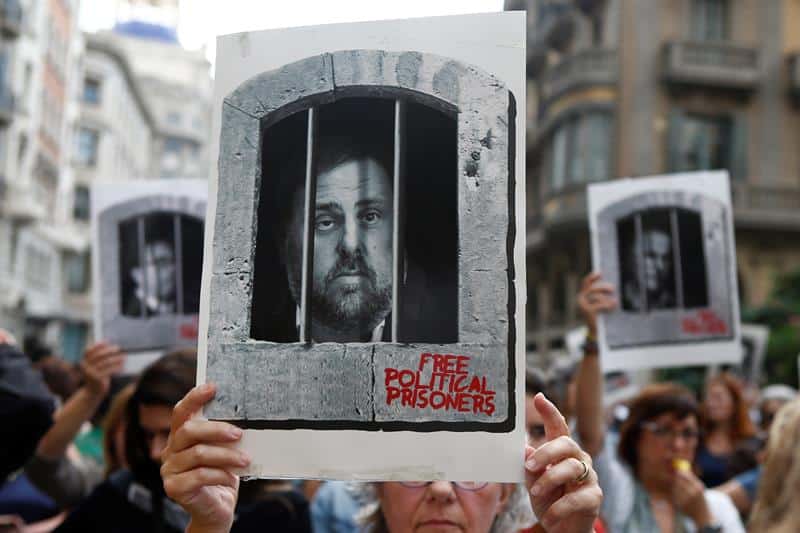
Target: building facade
(626, 88)
(40, 247)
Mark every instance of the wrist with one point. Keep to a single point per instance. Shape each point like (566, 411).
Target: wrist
(196, 527)
(702, 519)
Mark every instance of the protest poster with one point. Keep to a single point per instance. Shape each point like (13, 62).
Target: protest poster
(667, 244)
(363, 289)
(147, 265)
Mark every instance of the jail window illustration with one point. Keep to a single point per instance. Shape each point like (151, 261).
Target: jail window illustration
(662, 260)
(357, 237)
(160, 256)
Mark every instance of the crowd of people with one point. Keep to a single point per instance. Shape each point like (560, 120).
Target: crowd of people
(89, 448)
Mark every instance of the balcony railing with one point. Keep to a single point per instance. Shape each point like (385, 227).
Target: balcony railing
(10, 18)
(766, 206)
(586, 68)
(6, 104)
(715, 64)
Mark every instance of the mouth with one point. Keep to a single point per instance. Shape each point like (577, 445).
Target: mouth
(438, 524)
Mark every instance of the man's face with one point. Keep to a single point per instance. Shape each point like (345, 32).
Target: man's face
(657, 259)
(352, 275)
(159, 270)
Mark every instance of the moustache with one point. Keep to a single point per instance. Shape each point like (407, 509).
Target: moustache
(350, 264)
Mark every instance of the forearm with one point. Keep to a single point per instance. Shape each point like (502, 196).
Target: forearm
(589, 405)
(68, 421)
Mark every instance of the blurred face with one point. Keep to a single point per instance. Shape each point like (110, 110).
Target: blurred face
(657, 259)
(159, 270)
(352, 278)
(662, 440)
(719, 403)
(441, 507)
(155, 422)
(533, 423)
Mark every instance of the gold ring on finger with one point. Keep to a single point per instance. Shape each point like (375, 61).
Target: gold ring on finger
(584, 474)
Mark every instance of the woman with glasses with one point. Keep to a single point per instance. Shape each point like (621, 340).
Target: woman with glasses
(647, 479)
(561, 485)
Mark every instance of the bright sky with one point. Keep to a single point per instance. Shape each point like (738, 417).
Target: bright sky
(203, 20)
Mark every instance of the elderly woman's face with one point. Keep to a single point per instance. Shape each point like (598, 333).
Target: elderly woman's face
(441, 506)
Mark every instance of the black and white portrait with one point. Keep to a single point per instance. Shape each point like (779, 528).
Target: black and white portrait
(353, 221)
(667, 244)
(365, 244)
(662, 261)
(150, 260)
(150, 272)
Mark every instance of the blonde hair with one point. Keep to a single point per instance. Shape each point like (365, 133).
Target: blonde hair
(775, 509)
(516, 513)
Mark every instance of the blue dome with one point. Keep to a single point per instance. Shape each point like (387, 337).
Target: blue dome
(146, 30)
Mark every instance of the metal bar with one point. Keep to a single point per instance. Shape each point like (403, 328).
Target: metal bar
(177, 230)
(142, 264)
(640, 262)
(309, 205)
(677, 264)
(398, 210)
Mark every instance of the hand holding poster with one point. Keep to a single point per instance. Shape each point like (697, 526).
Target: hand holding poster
(667, 244)
(360, 296)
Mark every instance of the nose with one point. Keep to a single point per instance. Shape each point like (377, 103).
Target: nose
(441, 491)
(349, 238)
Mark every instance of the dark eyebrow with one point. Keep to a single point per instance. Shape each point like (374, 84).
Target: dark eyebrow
(329, 206)
(371, 202)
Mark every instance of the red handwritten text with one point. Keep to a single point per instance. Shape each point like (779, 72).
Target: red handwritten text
(705, 322)
(440, 381)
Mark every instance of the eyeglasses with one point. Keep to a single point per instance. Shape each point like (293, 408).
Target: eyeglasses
(667, 433)
(471, 486)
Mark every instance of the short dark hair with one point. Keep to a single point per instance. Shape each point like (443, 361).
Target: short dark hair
(534, 383)
(163, 383)
(653, 401)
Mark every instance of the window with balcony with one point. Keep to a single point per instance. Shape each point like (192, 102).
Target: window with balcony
(707, 142)
(709, 20)
(80, 206)
(88, 141)
(579, 151)
(91, 91)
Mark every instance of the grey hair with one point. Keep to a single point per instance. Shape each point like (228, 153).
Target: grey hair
(516, 515)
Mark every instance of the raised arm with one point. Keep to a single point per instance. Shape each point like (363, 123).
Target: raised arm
(100, 362)
(596, 296)
(199, 463)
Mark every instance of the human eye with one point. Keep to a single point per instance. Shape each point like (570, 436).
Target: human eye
(324, 223)
(371, 216)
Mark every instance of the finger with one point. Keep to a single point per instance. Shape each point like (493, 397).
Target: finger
(199, 431)
(554, 423)
(602, 304)
(554, 452)
(560, 475)
(589, 279)
(101, 353)
(190, 404)
(207, 455)
(602, 287)
(111, 364)
(186, 483)
(582, 502)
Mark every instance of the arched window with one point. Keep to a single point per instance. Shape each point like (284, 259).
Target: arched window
(365, 216)
(151, 256)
